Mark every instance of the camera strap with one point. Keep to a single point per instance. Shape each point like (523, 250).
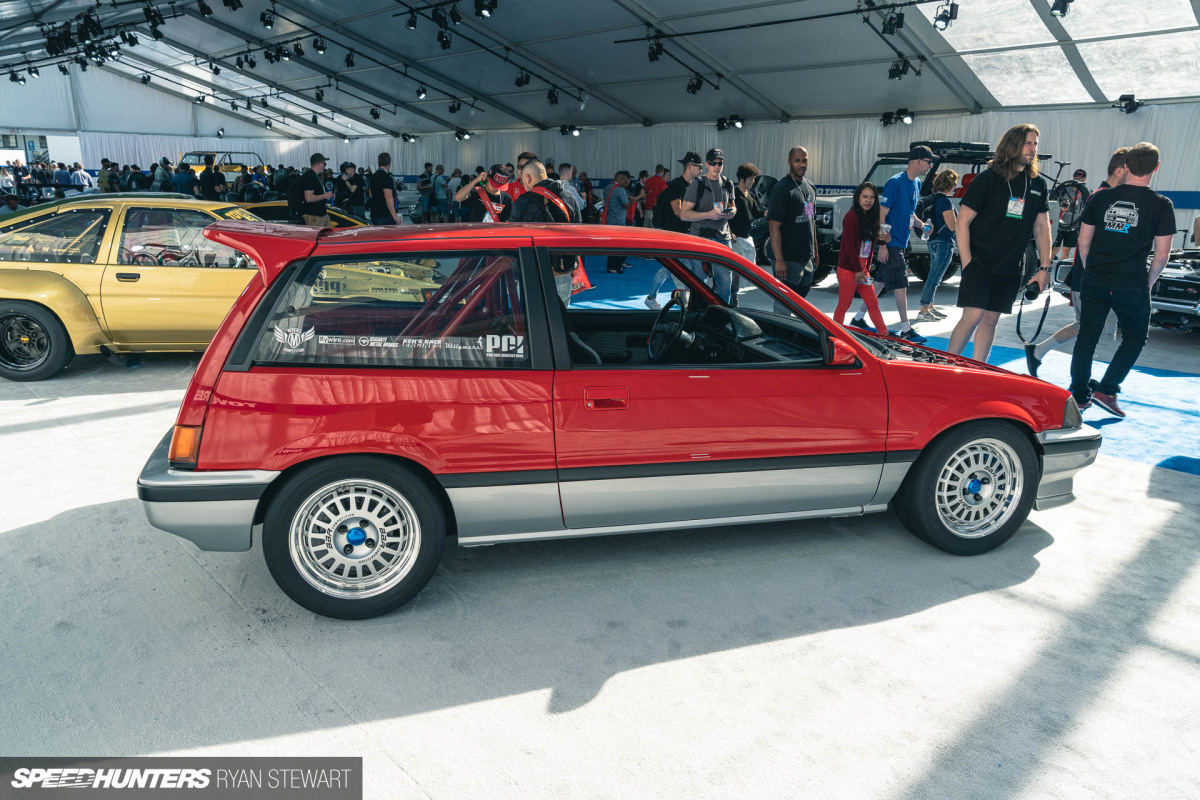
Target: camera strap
(1041, 322)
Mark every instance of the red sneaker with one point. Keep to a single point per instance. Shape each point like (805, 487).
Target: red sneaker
(1108, 402)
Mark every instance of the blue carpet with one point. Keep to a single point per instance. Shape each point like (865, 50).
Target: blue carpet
(1162, 429)
(1163, 423)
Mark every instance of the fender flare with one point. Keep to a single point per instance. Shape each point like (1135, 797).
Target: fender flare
(60, 297)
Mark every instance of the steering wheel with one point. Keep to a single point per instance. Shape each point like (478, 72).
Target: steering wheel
(665, 332)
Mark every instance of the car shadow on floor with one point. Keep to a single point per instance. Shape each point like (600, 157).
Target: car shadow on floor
(126, 639)
(96, 375)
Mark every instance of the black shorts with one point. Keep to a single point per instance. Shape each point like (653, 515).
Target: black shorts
(979, 288)
(1067, 238)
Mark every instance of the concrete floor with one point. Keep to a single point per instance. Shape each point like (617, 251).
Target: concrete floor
(831, 659)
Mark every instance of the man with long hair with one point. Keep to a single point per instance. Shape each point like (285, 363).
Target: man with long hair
(1118, 231)
(1004, 207)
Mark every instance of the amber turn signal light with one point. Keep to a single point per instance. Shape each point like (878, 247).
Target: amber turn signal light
(185, 445)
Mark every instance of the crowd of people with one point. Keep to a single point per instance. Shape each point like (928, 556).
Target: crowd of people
(1003, 209)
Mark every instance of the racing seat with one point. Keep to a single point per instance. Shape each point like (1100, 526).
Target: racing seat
(966, 181)
(581, 352)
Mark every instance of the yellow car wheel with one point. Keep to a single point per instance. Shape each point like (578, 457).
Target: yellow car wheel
(33, 343)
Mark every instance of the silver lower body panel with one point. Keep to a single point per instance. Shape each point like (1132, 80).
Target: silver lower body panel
(712, 522)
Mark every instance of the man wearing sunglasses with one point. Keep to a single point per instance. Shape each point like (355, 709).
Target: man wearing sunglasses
(708, 204)
(484, 196)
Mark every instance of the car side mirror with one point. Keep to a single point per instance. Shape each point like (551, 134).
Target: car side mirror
(840, 354)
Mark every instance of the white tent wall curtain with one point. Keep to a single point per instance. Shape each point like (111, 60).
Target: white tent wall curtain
(841, 151)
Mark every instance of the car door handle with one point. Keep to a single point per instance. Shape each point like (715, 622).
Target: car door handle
(606, 399)
(129, 277)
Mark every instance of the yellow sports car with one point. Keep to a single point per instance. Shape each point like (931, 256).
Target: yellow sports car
(133, 273)
(126, 273)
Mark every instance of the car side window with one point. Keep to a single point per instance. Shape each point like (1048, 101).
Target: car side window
(166, 237)
(68, 237)
(449, 310)
(732, 319)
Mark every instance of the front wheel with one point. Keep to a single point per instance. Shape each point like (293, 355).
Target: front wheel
(972, 489)
(34, 345)
(354, 537)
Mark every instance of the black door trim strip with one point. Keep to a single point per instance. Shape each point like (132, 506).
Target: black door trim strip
(460, 480)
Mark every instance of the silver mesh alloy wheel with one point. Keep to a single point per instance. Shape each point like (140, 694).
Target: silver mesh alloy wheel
(979, 488)
(354, 539)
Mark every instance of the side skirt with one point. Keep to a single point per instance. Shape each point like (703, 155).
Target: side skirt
(574, 533)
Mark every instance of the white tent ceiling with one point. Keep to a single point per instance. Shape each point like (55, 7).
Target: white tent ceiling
(805, 59)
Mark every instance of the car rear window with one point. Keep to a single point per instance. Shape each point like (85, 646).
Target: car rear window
(235, 212)
(448, 310)
(68, 237)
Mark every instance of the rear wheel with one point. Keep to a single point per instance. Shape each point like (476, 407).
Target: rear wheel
(354, 537)
(972, 489)
(33, 344)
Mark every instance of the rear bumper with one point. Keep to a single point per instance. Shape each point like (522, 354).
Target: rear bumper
(214, 510)
(1064, 453)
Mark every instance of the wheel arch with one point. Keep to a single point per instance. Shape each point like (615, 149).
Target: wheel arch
(1022, 426)
(62, 298)
(421, 471)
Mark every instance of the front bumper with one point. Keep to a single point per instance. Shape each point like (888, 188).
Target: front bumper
(1064, 453)
(214, 510)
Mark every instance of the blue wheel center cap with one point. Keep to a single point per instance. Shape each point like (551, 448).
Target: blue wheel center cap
(356, 536)
(973, 487)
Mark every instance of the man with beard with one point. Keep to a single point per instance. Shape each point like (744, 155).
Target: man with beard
(793, 225)
(1004, 207)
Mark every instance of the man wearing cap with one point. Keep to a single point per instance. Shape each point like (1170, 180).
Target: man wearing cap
(708, 205)
(162, 176)
(484, 196)
(670, 201)
(1068, 236)
(792, 222)
(316, 198)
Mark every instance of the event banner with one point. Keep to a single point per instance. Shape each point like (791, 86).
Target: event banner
(165, 776)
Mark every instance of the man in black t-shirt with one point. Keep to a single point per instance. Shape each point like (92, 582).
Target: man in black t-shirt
(534, 206)
(211, 181)
(425, 190)
(1118, 230)
(383, 189)
(484, 196)
(1004, 207)
(669, 217)
(354, 187)
(792, 222)
(316, 198)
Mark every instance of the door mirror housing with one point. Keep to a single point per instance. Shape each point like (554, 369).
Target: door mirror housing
(840, 354)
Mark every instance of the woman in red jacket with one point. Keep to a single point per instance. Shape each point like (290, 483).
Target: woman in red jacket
(860, 234)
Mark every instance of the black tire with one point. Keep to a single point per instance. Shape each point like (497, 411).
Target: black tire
(34, 345)
(919, 264)
(370, 583)
(972, 457)
(821, 272)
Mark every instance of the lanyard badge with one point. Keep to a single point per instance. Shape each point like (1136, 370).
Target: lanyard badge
(1016, 205)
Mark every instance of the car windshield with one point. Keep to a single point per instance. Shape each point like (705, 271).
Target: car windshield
(192, 160)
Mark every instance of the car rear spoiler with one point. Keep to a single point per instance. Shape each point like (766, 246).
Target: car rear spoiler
(271, 246)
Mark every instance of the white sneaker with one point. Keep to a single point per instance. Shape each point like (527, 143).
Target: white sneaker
(653, 304)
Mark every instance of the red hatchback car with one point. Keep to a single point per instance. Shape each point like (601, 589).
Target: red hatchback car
(464, 391)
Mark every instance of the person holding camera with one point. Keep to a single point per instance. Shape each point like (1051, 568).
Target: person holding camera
(1117, 233)
(1005, 206)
